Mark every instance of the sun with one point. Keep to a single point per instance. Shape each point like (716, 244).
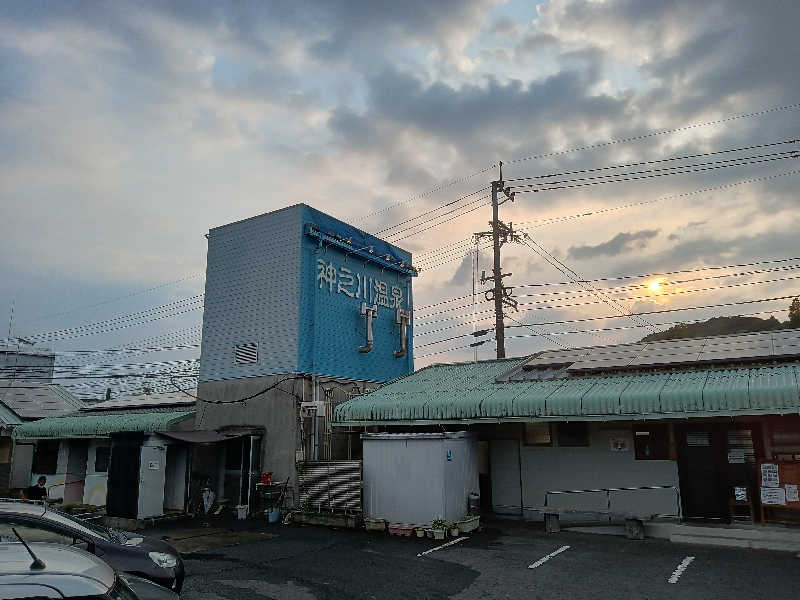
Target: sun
(655, 286)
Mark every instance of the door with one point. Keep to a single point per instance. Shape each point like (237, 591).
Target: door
(151, 481)
(76, 471)
(123, 475)
(504, 462)
(701, 472)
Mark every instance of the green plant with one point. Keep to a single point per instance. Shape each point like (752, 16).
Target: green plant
(438, 524)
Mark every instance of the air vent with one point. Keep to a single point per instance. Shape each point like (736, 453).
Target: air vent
(246, 354)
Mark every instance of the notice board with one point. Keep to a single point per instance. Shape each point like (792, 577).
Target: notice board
(779, 484)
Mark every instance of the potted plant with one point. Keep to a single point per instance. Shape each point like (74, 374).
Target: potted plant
(454, 530)
(439, 527)
(420, 532)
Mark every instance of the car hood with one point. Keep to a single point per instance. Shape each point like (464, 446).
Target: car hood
(148, 543)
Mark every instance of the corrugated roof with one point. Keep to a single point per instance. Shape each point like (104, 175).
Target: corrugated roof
(740, 347)
(471, 392)
(169, 400)
(35, 400)
(92, 426)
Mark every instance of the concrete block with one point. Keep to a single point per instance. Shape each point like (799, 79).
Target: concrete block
(634, 529)
(551, 523)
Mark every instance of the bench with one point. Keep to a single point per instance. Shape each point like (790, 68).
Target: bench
(634, 523)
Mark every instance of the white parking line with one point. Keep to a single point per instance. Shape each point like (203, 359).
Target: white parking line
(544, 559)
(676, 574)
(455, 541)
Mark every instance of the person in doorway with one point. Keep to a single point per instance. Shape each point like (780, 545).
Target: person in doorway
(38, 491)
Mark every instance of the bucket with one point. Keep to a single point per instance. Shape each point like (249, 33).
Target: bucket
(274, 515)
(241, 511)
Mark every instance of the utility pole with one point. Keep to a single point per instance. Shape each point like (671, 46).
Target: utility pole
(500, 234)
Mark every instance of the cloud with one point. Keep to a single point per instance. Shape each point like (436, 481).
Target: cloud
(620, 243)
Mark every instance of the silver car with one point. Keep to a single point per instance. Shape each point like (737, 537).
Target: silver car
(65, 572)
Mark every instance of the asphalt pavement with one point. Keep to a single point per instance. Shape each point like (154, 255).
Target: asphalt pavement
(505, 560)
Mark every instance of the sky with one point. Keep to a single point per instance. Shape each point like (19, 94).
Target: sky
(128, 129)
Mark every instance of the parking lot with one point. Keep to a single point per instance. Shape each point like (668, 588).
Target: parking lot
(506, 560)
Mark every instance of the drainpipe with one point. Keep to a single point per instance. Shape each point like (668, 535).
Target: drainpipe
(369, 313)
(402, 320)
(314, 426)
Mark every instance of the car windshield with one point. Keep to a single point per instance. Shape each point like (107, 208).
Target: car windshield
(84, 527)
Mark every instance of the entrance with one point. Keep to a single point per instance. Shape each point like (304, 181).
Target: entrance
(717, 469)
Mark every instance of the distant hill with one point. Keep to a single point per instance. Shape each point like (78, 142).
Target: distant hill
(717, 326)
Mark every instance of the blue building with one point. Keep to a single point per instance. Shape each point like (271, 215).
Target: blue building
(302, 311)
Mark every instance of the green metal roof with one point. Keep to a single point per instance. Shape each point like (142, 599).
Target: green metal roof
(467, 392)
(92, 426)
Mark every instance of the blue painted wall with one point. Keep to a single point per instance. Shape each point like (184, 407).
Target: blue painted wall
(334, 283)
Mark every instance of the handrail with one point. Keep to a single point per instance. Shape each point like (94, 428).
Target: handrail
(608, 491)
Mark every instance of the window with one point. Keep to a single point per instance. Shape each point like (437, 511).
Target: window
(651, 442)
(538, 434)
(102, 458)
(32, 533)
(573, 434)
(45, 457)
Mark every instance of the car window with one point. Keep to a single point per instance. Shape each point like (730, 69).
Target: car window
(83, 527)
(35, 533)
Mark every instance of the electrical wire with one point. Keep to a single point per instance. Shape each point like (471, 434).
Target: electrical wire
(635, 138)
(625, 177)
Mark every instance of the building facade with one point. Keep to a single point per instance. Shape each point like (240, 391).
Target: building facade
(302, 311)
(693, 429)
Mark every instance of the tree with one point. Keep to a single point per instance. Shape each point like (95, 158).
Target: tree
(794, 313)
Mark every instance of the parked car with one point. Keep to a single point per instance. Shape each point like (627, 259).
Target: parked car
(67, 572)
(127, 552)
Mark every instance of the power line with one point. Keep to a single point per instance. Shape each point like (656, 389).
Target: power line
(634, 138)
(592, 302)
(602, 329)
(654, 161)
(615, 289)
(601, 318)
(624, 177)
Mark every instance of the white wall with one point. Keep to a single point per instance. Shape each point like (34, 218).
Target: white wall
(545, 468)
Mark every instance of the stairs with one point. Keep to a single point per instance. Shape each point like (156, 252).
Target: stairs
(757, 537)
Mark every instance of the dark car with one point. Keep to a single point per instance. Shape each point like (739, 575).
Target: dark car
(127, 552)
(67, 573)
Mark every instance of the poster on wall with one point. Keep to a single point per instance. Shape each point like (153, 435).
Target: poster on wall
(619, 444)
(791, 493)
(736, 457)
(740, 494)
(773, 495)
(769, 475)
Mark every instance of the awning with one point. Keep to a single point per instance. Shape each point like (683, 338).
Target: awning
(94, 426)
(471, 393)
(207, 437)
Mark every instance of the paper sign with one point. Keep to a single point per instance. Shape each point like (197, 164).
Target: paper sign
(618, 444)
(791, 493)
(735, 457)
(769, 476)
(740, 494)
(773, 495)
(153, 465)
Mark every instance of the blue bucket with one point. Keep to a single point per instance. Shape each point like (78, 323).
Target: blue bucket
(274, 515)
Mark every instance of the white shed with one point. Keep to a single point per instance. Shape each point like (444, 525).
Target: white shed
(417, 477)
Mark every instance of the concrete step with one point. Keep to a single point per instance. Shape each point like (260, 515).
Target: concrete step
(756, 537)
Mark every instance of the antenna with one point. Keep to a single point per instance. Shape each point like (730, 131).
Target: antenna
(37, 563)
